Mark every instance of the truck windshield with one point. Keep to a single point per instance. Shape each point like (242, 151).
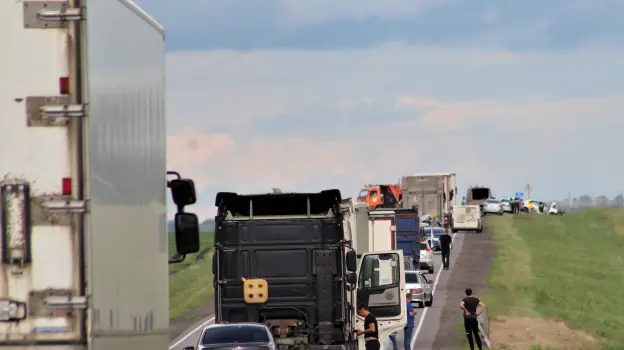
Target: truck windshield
(363, 194)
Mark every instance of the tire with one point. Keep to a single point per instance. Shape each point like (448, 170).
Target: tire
(479, 230)
(430, 302)
(431, 271)
(454, 230)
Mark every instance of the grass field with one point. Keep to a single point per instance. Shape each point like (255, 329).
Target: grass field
(557, 282)
(190, 282)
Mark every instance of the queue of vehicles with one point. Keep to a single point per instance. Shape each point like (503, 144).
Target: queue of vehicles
(340, 253)
(432, 194)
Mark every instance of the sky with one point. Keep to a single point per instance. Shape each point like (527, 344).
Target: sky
(309, 95)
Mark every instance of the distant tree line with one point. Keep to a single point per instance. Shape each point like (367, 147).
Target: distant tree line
(584, 201)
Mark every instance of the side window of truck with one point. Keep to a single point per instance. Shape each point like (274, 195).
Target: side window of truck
(379, 271)
(379, 284)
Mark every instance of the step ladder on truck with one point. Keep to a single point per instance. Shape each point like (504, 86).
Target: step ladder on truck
(83, 216)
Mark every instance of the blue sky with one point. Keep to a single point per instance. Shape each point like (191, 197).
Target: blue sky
(306, 95)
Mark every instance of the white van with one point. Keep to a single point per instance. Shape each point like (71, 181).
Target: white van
(467, 218)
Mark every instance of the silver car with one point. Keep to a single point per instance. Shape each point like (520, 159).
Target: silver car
(241, 336)
(492, 206)
(420, 287)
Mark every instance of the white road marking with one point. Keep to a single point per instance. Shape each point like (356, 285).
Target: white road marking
(424, 313)
(210, 320)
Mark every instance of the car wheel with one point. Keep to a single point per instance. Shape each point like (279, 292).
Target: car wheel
(421, 305)
(431, 271)
(430, 302)
(454, 230)
(479, 230)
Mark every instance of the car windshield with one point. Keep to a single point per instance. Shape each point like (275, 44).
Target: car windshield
(504, 200)
(492, 201)
(411, 278)
(235, 334)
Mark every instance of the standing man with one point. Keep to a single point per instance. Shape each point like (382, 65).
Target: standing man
(445, 247)
(409, 327)
(371, 329)
(472, 308)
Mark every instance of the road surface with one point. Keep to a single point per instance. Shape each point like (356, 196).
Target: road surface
(427, 320)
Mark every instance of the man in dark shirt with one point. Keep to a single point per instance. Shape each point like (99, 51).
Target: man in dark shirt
(371, 329)
(472, 307)
(445, 247)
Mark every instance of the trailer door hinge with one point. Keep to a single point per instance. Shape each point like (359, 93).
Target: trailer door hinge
(49, 14)
(65, 302)
(51, 110)
(65, 206)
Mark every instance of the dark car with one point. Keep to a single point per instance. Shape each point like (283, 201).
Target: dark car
(241, 336)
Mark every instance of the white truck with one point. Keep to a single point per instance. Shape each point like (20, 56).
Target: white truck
(385, 276)
(433, 194)
(381, 230)
(83, 178)
(467, 218)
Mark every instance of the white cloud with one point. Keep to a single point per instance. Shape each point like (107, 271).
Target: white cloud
(493, 117)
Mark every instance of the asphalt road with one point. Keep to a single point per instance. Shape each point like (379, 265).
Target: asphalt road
(427, 320)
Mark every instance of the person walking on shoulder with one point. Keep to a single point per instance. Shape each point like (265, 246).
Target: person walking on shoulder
(472, 308)
(371, 329)
(409, 327)
(445, 246)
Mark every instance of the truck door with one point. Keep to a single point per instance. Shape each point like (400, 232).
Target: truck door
(383, 234)
(381, 287)
(42, 256)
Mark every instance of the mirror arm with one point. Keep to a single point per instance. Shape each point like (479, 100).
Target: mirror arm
(177, 260)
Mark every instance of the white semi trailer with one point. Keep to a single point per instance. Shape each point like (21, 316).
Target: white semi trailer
(82, 178)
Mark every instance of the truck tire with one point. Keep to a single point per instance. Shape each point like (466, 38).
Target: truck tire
(430, 302)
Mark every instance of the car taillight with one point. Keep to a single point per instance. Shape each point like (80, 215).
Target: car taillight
(427, 250)
(417, 291)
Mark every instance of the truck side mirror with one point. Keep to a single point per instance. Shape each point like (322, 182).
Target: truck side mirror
(186, 233)
(183, 192)
(351, 260)
(352, 278)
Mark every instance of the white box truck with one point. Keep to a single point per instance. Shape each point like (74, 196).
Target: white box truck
(433, 194)
(82, 178)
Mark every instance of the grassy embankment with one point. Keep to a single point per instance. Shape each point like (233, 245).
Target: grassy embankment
(557, 282)
(190, 282)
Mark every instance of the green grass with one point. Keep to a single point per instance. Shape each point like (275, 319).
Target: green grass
(566, 268)
(190, 282)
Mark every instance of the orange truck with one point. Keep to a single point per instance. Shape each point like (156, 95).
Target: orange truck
(381, 196)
